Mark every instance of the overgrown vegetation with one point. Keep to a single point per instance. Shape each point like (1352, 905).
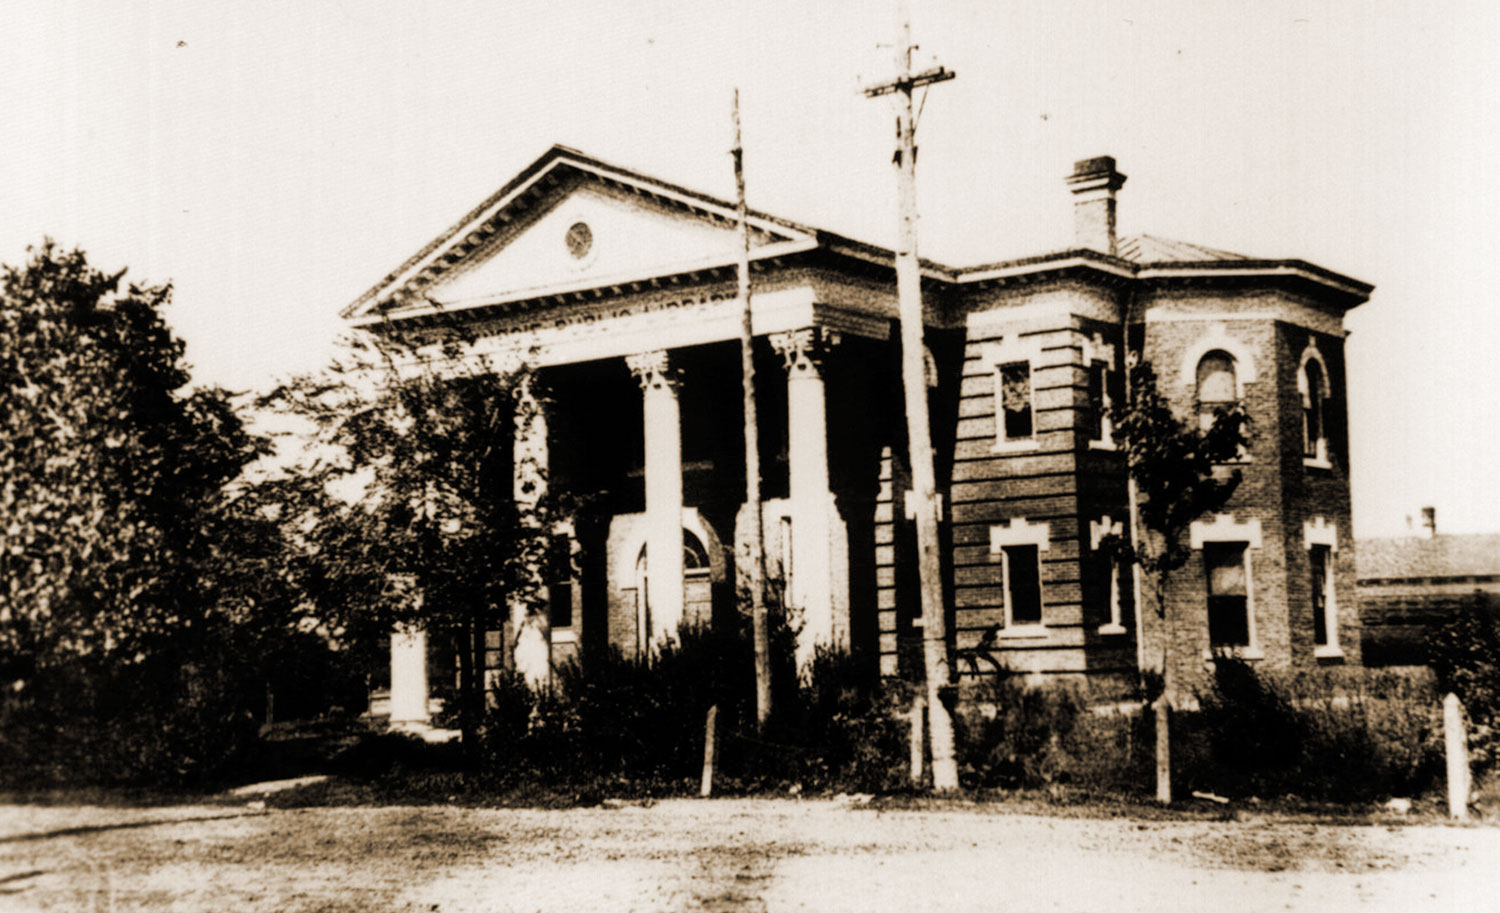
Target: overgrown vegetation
(627, 724)
(621, 727)
(1351, 735)
(409, 507)
(1464, 654)
(143, 586)
(1335, 735)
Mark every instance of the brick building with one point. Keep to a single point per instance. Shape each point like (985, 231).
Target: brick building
(620, 288)
(1410, 584)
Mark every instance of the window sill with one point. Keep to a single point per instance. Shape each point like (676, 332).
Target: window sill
(1113, 628)
(1328, 651)
(564, 636)
(1316, 463)
(1249, 654)
(1015, 446)
(1103, 444)
(1023, 632)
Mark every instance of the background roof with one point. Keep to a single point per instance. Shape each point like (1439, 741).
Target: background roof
(1440, 556)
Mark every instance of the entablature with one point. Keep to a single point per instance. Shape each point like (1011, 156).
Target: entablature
(710, 313)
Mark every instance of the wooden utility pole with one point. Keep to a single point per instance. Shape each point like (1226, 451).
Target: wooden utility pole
(919, 432)
(756, 571)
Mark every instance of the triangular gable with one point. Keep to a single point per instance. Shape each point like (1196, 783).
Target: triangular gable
(570, 222)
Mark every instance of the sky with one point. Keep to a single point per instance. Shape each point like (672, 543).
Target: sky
(275, 159)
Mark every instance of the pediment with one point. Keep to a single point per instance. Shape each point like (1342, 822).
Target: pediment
(570, 223)
(594, 232)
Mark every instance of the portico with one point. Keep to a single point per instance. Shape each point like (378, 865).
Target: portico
(663, 468)
(620, 291)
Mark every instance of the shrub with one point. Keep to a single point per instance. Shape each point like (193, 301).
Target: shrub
(163, 720)
(1012, 735)
(624, 723)
(1464, 654)
(1335, 735)
(619, 718)
(840, 730)
(511, 705)
(1368, 734)
(1251, 725)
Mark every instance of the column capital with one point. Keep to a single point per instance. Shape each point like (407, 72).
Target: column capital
(803, 351)
(654, 370)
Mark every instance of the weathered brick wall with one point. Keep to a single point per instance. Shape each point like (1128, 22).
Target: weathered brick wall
(1315, 491)
(1067, 483)
(1058, 482)
(1169, 346)
(1276, 488)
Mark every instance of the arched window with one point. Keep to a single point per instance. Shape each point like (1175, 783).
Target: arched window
(695, 566)
(1314, 391)
(1218, 388)
(694, 555)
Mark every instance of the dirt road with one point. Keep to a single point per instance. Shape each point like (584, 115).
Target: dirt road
(728, 855)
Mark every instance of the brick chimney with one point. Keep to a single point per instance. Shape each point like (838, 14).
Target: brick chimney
(1094, 182)
(1429, 522)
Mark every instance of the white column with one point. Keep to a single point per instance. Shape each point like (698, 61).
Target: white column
(663, 421)
(814, 516)
(528, 620)
(408, 678)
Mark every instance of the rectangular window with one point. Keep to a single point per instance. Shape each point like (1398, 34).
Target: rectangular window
(1109, 582)
(1228, 594)
(560, 588)
(1319, 556)
(1314, 434)
(1096, 400)
(1017, 422)
(1023, 584)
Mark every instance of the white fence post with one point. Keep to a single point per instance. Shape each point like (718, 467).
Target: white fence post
(710, 728)
(1456, 741)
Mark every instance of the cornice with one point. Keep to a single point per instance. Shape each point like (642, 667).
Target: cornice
(398, 296)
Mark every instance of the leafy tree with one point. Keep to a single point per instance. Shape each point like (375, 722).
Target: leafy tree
(1173, 465)
(1174, 481)
(130, 563)
(408, 500)
(114, 476)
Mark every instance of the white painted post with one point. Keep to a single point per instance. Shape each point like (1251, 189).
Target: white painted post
(706, 789)
(409, 678)
(1456, 741)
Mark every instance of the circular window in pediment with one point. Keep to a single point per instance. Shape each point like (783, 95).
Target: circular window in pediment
(580, 240)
